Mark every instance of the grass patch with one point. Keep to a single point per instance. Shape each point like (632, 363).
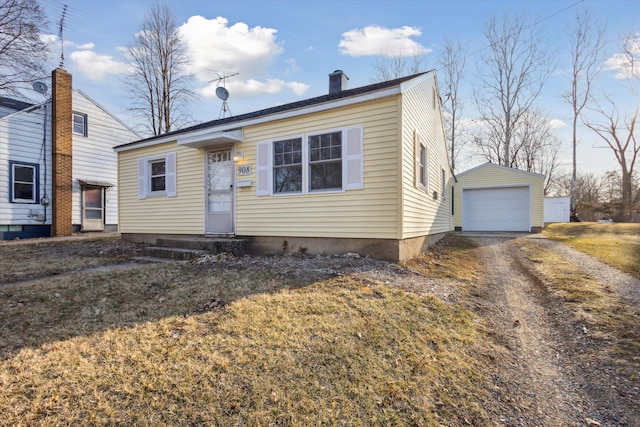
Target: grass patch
(452, 257)
(594, 305)
(142, 346)
(616, 244)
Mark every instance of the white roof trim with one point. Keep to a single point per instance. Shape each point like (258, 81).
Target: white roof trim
(201, 133)
(498, 166)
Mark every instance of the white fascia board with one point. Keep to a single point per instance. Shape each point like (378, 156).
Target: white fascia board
(201, 133)
(209, 139)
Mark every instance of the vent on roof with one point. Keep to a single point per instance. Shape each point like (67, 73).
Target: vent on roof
(338, 82)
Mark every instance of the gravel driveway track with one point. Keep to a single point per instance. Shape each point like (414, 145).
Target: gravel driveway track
(544, 373)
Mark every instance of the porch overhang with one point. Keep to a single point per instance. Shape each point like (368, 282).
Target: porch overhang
(91, 183)
(210, 139)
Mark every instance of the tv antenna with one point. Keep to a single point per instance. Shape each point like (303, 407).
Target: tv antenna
(60, 34)
(223, 94)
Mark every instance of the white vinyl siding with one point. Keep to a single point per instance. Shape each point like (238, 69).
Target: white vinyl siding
(93, 156)
(21, 142)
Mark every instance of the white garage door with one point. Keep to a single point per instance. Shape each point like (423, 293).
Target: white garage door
(496, 209)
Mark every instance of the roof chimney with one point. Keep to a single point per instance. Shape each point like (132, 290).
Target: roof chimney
(338, 81)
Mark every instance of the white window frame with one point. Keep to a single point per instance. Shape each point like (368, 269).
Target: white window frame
(351, 159)
(421, 155)
(443, 177)
(84, 120)
(145, 176)
(34, 174)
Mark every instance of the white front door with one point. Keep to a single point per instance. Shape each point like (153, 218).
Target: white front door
(219, 192)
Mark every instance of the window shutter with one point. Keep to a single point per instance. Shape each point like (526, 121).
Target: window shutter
(353, 164)
(416, 159)
(142, 178)
(263, 169)
(170, 176)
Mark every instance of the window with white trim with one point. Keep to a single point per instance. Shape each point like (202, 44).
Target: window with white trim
(315, 162)
(80, 124)
(157, 176)
(421, 162)
(443, 184)
(24, 182)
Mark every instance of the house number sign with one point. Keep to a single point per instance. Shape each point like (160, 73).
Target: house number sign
(244, 170)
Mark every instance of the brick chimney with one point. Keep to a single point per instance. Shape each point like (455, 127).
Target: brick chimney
(338, 81)
(61, 147)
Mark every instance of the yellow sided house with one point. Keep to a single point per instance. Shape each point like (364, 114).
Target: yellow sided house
(491, 197)
(361, 170)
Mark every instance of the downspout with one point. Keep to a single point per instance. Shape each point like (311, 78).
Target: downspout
(44, 201)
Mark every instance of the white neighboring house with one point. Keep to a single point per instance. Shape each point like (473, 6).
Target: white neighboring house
(37, 201)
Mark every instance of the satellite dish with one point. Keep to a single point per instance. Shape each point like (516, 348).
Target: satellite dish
(40, 87)
(222, 93)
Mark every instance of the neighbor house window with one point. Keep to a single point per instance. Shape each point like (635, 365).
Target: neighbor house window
(421, 168)
(287, 166)
(157, 176)
(80, 124)
(443, 182)
(325, 161)
(314, 162)
(24, 182)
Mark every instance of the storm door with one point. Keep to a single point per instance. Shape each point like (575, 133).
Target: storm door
(92, 208)
(219, 192)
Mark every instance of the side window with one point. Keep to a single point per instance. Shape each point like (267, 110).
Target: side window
(421, 168)
(443, 183)
(24, 182)
(80, 124)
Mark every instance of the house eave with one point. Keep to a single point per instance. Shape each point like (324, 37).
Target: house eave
(201, 134)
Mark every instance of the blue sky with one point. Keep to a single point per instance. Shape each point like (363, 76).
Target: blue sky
(284, 50)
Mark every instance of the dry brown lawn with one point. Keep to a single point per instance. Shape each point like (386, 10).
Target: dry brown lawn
(244, 343)
(616, 244)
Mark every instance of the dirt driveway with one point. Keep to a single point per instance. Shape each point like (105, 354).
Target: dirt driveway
(550, 371)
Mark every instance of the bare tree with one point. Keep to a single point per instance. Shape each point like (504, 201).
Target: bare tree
(619, 134)
(23, 54)
(587, 53)
(452, 63)
(536, 149)
(511, 75)
(396, 66)
(158, 82)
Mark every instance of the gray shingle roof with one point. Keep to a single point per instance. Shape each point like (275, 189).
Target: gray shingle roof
(286, 107)
(14, 104)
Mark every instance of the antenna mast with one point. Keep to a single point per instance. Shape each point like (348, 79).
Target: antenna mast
(60, 34)
(223, 94)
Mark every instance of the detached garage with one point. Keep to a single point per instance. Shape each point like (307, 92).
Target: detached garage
(497, 198)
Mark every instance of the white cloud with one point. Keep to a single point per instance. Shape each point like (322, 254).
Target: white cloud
(374, 40)
(556, 124)
(252, 87)
(624, 66)
(95, 66)
(215, 46)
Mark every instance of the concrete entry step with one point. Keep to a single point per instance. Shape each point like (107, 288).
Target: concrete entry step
(185, 248)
